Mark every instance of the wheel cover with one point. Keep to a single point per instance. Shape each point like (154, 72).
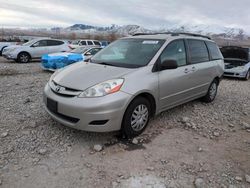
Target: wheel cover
(139, 117)
(248, 75)
(213, 90)
(24, 58)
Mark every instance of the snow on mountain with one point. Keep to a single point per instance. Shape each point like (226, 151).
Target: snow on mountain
(132, 29)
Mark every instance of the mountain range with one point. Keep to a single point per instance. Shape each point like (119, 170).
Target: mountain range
(226, 32)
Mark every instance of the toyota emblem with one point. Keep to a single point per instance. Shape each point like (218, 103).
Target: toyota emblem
(58, 88)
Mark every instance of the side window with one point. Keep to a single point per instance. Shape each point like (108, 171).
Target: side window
(175, 51)
(90, 42)
(40, 43)
(55, 42)
(97, 43)
(214, 51)
(198, 51)
(83, 43)
(94, 51)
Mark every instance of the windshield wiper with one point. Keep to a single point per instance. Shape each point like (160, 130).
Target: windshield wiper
(105, 63)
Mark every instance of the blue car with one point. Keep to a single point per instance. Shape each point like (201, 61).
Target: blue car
(59, 60)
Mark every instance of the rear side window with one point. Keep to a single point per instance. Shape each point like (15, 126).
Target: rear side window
(214, 51)
(97, 43)
(198, 51)
(41, 43)
(89, 42)
(175, 51)
(55, 42)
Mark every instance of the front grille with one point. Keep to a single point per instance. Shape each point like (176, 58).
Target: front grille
(63, 91)
(229, 73)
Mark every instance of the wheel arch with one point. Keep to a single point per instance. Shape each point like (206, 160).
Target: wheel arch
(24, 52)
(150, 97)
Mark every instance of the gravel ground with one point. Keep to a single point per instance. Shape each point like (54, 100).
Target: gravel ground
(193, 145)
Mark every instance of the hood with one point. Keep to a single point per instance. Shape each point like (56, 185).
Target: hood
(236, 69)
(235, 52)
(82, 75)
(12, 46)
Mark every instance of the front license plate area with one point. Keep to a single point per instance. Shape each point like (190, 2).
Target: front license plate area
(52, 105)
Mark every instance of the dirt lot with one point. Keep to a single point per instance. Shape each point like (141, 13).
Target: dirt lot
(194, 145)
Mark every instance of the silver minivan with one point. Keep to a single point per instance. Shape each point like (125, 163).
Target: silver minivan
(133, 79)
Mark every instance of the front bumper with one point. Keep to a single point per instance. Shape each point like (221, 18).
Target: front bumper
(235, 74)
(102, 114)
(9, 56)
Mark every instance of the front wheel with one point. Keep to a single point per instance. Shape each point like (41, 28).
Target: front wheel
(212, 92)
(136, 117)
(23, 57)
(247, 75)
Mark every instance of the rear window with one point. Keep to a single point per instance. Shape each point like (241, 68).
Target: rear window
(214, 51)
(198, 51)
(54, 42)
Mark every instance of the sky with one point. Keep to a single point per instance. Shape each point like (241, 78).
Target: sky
(151, 14)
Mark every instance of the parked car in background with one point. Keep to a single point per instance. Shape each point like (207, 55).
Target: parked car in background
(133, 79)
(104, 43)
(34, 49)
(4, 45)
(237, 61)
(59, 60)
(85, 43)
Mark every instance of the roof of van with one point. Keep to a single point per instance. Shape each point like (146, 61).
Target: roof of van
(168, 35)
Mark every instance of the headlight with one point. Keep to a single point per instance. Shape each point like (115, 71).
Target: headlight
(10, 50)
(102, 89)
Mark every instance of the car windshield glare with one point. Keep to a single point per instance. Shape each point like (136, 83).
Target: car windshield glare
(129, 53)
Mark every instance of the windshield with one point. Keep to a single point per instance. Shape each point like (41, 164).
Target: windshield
(130, 53)
(29, 43)
(79, 50)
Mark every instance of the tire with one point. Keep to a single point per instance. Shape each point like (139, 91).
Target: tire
(136, 117)
(247, 75)
(212, 92)
(23, 57)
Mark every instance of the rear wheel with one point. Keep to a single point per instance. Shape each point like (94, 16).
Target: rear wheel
(23, 57)
(136, 117)
(212, 92)
(247, 75)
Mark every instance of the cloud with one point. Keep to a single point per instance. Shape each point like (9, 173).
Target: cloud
(148, 13)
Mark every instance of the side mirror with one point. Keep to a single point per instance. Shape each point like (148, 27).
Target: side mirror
(87, 54)
(169, 64)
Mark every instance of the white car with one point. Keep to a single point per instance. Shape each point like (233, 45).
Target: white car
(237, 61)
(34, 49)
(86, 43)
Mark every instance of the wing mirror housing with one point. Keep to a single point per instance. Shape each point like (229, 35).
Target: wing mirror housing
(169, 64)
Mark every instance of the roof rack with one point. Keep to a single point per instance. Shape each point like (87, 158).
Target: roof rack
(174, 34)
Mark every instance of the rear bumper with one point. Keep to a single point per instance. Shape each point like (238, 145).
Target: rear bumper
(102, 114)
